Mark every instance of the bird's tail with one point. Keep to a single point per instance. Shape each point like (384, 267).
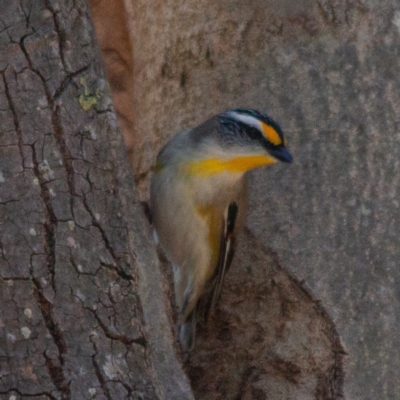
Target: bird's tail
(187, 332)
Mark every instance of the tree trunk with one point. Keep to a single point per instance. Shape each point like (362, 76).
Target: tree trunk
(82, 310)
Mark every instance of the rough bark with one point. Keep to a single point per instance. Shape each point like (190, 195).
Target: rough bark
(82, 309)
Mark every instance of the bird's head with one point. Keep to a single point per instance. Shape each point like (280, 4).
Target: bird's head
(239, 140)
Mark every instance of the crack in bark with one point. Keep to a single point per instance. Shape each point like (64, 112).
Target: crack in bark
(57, 377)
(64, 150)
(96, 224)
(46, 308)
(127, 388)
(55, 370)
(27, 15)
(3, 254)
(10, 391)
(120, 271)
(14, 112)
(97, 370)
(115, 336)
(62, 36)
(50, 223)
(102, 380)
(15, 278)
(3, 203)
(107, 110)
(67, 80)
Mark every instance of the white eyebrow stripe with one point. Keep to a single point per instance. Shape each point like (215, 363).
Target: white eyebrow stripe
(246, 119)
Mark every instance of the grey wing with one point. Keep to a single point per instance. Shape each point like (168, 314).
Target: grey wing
(226, 253)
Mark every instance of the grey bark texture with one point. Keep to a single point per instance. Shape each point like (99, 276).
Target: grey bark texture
(82, 309)
(320, 256)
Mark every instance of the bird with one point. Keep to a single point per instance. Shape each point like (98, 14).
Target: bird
(199, 199)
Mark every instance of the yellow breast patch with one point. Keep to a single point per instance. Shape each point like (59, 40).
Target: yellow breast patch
(212, 166)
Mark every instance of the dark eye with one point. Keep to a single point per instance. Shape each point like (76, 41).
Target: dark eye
(253, 133)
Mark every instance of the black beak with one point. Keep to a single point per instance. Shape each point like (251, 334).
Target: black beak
(281, 153)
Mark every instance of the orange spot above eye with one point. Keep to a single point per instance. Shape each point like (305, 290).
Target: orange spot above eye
(271, 134)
